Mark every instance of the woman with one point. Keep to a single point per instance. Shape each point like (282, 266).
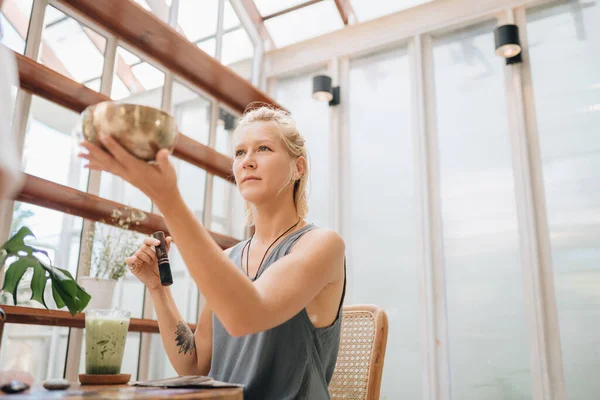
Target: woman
(273, 313)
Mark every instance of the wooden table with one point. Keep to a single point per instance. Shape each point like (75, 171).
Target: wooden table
(84, 392)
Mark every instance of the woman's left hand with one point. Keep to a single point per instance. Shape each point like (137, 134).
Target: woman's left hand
(157, 181)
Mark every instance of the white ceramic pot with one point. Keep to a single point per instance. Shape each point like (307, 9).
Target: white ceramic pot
(101, 290)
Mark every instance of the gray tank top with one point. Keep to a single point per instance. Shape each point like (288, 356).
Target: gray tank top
(294, 360)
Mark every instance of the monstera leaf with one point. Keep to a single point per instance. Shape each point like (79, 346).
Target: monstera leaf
(65, 290)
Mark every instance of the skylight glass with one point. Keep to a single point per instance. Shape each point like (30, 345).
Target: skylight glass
(198, 18)
(14, 20)
(160, 8)
(134, 76)
(70, 48)
(305, 23)
(268, 7)
(371, 9)
(209, 46)
(236, 46)
(230, 18)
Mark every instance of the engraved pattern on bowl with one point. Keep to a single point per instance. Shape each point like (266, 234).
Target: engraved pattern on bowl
(141, 130)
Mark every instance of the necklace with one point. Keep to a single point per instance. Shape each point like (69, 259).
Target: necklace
(265, 255)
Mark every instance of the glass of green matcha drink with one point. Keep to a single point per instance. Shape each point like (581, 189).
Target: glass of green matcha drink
(105, 334)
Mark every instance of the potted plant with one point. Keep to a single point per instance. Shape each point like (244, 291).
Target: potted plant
(111, 245)
(65, 291)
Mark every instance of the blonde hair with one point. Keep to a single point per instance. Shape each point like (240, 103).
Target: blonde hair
(295, 144)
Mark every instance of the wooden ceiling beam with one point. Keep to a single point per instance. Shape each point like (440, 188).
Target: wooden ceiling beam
(147, 33)
(49, 84)
(345, 9)
(65, 199)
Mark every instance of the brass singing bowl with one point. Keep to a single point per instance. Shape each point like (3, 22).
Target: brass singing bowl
(141, 130)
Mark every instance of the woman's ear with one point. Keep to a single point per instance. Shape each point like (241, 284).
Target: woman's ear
(300, 167)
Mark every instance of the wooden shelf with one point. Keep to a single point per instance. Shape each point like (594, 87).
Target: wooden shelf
(41, 316)
(49, 84)
(41, 192)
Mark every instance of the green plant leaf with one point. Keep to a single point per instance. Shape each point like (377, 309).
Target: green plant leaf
(3, 257)
(65, 290)
(82, 297)
(16, 242)
(57, 297)
(38, 285)
(74, 303)
(14, 273)
(64, 281)
(67, 300)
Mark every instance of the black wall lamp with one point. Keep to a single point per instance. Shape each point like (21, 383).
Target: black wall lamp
(508, 44)
(227, 120)
(323, 90)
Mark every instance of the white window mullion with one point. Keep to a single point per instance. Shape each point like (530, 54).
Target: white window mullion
(75, 340)
(209, 184)
(23, 105)
(432, 301)
(145, 352)
(220, 30)
(535, 247)
(336, 115)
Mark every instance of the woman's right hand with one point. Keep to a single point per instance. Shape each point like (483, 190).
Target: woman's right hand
(144, 264)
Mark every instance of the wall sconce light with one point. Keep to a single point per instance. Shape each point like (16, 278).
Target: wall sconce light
(508, 44)
(323, 90)
(227, 120)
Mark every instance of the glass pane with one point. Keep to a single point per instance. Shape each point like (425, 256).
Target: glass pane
(267, 7)
(488, 344)
(382, 235)
(305, 23)
(368, 9)
(219, 227)
(312, 119)
(564, 43)
(94, 84)
(142, 82)
(39, 350)
(237, 228)
(14, 23)
(222, 189)
(111, 246)
(116, 189)
(51, 149)
(237, 46)
(221, 198)
(159, 366)
(192, 112)
(129, 292)
(198, 19)
(230, 18)
(159, 8)
(136, 82)
(209, 46)
(71, 48)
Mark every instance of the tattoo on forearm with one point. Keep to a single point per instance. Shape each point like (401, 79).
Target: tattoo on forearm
(185, 338)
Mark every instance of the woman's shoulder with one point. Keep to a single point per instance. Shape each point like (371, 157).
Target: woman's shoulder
(317, 238)
(235, 248)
